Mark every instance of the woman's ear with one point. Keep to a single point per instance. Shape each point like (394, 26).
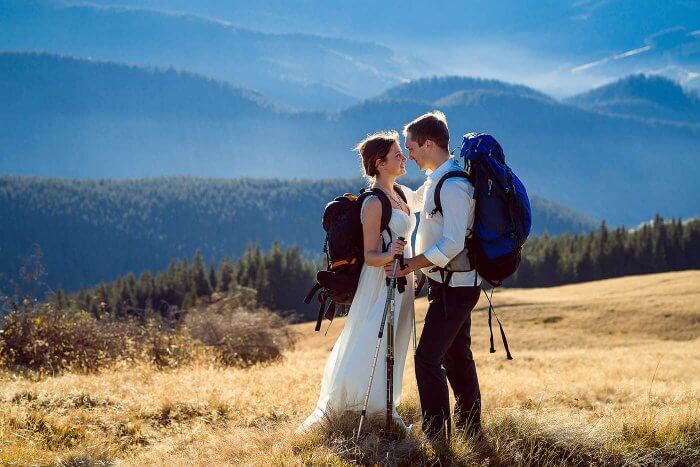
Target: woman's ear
(378, 163)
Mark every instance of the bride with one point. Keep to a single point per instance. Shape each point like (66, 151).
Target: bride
(347, 370)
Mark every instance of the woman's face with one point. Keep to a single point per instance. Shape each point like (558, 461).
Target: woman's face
(395, 162)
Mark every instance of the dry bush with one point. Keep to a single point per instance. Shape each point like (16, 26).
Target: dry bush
(164, 346)
(241, 336)
(240, 296)
(47, 340)
(253, 336)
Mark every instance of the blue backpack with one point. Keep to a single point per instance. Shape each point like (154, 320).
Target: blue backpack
(502, 217)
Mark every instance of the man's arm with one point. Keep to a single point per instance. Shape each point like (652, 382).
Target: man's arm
(418, 199)
(411, 264)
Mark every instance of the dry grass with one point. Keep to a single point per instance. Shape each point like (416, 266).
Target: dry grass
(604, 373)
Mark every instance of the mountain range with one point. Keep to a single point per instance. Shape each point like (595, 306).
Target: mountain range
(562, 47)
(78, 118)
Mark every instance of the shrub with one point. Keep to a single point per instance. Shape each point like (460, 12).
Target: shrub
(45, 339)
(48, 340)
(164, 346)
(241, 336)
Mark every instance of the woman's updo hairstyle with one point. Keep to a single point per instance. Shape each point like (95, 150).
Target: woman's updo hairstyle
(373, 148)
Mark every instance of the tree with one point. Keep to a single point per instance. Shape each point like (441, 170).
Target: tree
(226, 273)
(199, 278)
(213, 281)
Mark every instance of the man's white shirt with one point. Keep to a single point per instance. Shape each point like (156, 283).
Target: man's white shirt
(441, 237)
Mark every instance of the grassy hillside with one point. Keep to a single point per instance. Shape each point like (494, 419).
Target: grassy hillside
(604, 372)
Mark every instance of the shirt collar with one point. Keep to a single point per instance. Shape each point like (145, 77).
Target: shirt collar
(449, 164)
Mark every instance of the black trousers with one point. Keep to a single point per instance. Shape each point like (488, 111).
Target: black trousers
(444, 354)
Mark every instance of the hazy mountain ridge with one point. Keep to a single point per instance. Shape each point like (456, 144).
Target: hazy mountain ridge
(573, 154)
(562, 47)
(161, 122)
(49, 83)
(515, 19)
(300, 70)
(434, 88)
(646, 96)
(92, 230)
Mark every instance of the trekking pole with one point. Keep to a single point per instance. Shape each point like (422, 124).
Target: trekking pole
(415, 332)
(390, 350)
(387, 306)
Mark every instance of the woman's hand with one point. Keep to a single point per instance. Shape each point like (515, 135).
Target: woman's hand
(396, 248)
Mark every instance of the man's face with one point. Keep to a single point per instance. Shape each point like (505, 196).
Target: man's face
(415, 152)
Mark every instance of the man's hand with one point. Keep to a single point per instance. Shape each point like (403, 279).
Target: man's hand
(412, 264)
(399, 272)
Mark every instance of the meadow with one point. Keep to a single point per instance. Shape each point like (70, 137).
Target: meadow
(604, 373)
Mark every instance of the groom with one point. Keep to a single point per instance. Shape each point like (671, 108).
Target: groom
(443, 352)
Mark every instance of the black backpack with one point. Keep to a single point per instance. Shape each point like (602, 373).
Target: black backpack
(344, 249)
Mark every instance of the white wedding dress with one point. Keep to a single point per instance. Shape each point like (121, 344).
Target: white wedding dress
(347, 370)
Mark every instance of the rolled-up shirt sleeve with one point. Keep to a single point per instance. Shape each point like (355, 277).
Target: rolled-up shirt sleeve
(455, 208)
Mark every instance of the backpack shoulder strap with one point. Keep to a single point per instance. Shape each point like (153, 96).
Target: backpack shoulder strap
(386, 205)
(438, 187)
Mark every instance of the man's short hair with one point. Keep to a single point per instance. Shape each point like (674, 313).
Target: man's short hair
(431, 126)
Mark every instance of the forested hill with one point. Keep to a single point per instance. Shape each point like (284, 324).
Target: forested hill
(94, 230)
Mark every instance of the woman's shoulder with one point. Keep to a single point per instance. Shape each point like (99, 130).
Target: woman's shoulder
(371, 205)
(371, 201)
